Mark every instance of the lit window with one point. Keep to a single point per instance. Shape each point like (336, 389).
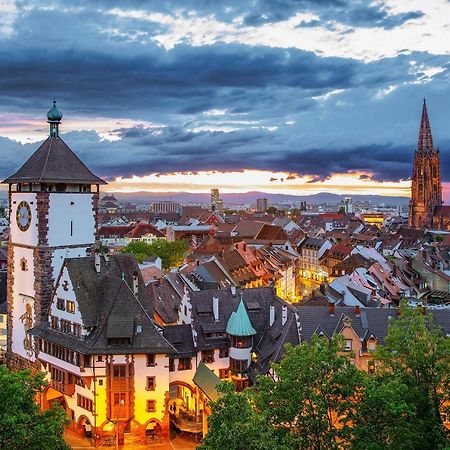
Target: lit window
(150, 384)
(70, 306)
(151, 405)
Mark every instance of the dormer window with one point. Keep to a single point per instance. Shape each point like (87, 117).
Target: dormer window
(70, 306)
(348, 345)
(371, 344)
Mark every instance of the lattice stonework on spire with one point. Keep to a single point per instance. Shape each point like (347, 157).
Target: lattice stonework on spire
(425, 142)
(426, 188)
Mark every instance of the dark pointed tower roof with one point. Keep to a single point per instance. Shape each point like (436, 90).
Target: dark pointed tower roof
(54, 161)
(425, 143)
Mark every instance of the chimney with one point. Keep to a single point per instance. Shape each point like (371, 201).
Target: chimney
(97, 261)
(215, 301)
(357, 311)
(135, 284)
(331, 309)
(233, 291)
(322, 288)
(271, 315)
(283, 315)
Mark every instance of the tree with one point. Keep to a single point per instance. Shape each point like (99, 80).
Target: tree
(22, 425)
(235, 424)
(171, 253)
(402, 404)
(311, 400)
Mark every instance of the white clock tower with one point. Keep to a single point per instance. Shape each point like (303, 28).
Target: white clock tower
(53, 215)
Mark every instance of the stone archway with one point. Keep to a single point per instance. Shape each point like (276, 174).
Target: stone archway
(84, 426)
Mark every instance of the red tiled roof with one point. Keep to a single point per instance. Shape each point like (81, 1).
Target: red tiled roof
(144, 228)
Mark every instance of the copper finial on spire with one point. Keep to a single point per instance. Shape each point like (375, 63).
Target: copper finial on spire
(425, 143)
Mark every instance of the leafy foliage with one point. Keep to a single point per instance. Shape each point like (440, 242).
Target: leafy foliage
(171, 253)
(236, 424)
(411, 388)
(313, 395)
(317, 398)
(22, 425)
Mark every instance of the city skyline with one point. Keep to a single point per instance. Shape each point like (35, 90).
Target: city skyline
(278, 99)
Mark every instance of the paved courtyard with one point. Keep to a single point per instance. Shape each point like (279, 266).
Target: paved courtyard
(181, 442)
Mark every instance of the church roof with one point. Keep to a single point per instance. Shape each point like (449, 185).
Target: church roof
(425, 142)
(54, 162)
(239, 323)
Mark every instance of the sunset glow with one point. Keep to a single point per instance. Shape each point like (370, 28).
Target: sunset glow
(255, 180)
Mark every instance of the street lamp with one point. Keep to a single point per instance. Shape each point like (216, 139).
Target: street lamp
(121, 403)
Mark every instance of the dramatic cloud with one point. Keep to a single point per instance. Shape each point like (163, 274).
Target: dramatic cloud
(304, 88)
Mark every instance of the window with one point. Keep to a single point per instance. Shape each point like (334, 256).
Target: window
(23, 264)
(224, 352)
(151, 405)
(77, 329)
(150, 384)
(184, 364)
(371, 345)
(100, 382)
(84, 402)
(65, 326)
(119, 398)
(208, 356)
(70, 306)
(171, 365)
(223, 373)
(238, 365)
(151, 361)
(100, 358)
(54, 322)
(348, 345)
(119, 371)
(60, 304)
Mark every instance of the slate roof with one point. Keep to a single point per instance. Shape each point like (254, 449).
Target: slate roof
(180, 336)
(257, 302)
(54, 162)
(368, 321)
(207, 381)
(108, 306)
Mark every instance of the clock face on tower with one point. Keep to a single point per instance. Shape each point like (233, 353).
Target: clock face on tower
(23, 216)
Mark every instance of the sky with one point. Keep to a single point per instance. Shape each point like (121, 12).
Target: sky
(282, 96)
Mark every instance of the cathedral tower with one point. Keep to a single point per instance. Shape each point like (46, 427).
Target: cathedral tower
(426, 189)
(53, 202)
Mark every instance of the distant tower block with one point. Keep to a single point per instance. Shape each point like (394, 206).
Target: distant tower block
(348, 205)
(262, 204)
(216, 201)
(426, 188)
(53, 201)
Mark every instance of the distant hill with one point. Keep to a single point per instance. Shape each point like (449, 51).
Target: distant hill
(250, 197)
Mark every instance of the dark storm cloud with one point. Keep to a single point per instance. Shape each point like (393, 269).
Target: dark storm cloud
(99, 65)
(349, 12)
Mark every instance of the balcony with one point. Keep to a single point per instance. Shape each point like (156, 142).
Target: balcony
(67, 389)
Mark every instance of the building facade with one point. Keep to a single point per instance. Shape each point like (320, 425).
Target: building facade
(53, 215)
(426, 188)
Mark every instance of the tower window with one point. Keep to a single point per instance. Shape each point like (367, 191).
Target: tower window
(23, 264)
(71, 227)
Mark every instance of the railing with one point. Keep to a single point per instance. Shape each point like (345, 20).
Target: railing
(68, 389)
(187, 422)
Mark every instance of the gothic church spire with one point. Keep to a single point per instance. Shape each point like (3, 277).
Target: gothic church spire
(425, 143)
